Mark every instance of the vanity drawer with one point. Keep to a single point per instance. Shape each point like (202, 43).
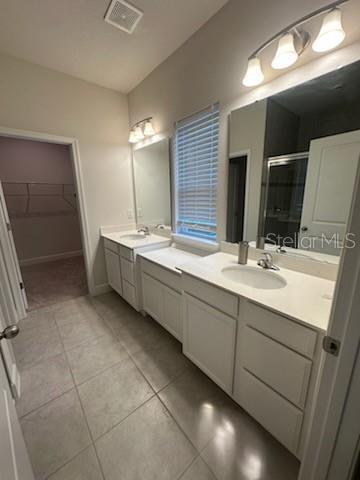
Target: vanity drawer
(286, 331)
(114, 247)
(285, 371)
(220, 299)
(126, 253)
(127, 270)
(171, 279)
(129, 294)
(282, 419)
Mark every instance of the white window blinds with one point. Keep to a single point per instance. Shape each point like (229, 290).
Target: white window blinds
(196, 156)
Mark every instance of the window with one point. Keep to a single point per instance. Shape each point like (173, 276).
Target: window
(196, 157)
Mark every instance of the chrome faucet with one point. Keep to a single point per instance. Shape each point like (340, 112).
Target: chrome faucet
(267, 262)
(144, 229)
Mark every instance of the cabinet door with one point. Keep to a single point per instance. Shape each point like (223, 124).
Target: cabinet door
(172, 318)
(152, 297)
(113, 270)
(209, 341)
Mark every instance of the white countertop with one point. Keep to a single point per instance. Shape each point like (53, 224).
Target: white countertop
(305, 298)
(147, 240)
(170, 257)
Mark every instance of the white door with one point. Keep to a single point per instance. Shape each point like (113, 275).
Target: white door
(8, 249)
(335, 424)
(14, 459)
(330, 177)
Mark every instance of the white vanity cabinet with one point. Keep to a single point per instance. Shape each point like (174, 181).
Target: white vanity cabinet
(209, 341)
(128, 276)
(123, 268)
(161, 296)
(210, 324)
(113, 266)
(276, 368)
(267, 362)
(113, 269)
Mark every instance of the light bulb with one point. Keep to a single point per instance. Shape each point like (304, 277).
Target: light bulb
(331, 33)
(139, 133)
(132, 137)
(286, 53)
(254, 75)
(148, 129)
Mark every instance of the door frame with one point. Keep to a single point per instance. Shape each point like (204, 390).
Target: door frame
(244, 153)
(79, 185)
(337, 372)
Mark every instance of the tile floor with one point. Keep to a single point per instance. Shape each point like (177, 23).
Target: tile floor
(53, 282)
(108, 395)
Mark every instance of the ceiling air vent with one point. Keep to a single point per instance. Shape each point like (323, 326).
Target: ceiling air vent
(123, 15)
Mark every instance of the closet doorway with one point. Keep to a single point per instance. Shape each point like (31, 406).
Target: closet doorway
(39, 199)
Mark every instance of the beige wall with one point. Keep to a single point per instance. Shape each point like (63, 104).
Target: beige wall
(209, 67)
(37, 99)
(247, 136)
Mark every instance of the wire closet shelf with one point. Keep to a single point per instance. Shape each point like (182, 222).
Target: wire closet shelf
(36, 199)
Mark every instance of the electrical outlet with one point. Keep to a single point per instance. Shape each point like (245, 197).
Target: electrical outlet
(130, 214)
(139, 212)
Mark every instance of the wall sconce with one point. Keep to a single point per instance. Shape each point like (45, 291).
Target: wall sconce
(141, 129)
(292, 42)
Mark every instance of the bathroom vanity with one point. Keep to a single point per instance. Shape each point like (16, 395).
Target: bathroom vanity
(256, 332)
(162, 288)
(258, 335)
(121, 250)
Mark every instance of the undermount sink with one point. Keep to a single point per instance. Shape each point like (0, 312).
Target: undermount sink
(134, 236)
(254, 277)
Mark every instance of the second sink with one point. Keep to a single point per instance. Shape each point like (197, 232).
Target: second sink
(254, 277)
(134, 236)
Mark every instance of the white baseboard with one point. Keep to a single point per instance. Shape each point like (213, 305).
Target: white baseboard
(50, 258)
(99, 289)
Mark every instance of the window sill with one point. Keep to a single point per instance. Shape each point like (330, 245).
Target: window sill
(198, 243)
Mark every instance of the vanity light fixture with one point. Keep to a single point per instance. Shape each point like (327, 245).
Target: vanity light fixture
(141, 129)
(132, 136)
(331, 33)
(254, 74)
(149, 129)
(292, 41)
(286, 53)
(139, 134)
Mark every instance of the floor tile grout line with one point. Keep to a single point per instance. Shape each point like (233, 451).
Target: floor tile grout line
(206, 463)
(46, 403)
(87, 425)
(90, 433)
(68, 461)
(158, 397)
(155, 394)
(178, 425)
(86, 421)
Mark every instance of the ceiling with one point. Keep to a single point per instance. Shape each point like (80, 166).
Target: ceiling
(71, 36)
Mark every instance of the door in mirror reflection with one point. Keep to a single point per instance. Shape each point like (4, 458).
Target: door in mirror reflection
(284, 203)
(152, 184)
(332, 168)
(308, 196)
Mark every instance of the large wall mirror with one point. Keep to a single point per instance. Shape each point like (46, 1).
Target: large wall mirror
(293, 164)
(152, 183)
